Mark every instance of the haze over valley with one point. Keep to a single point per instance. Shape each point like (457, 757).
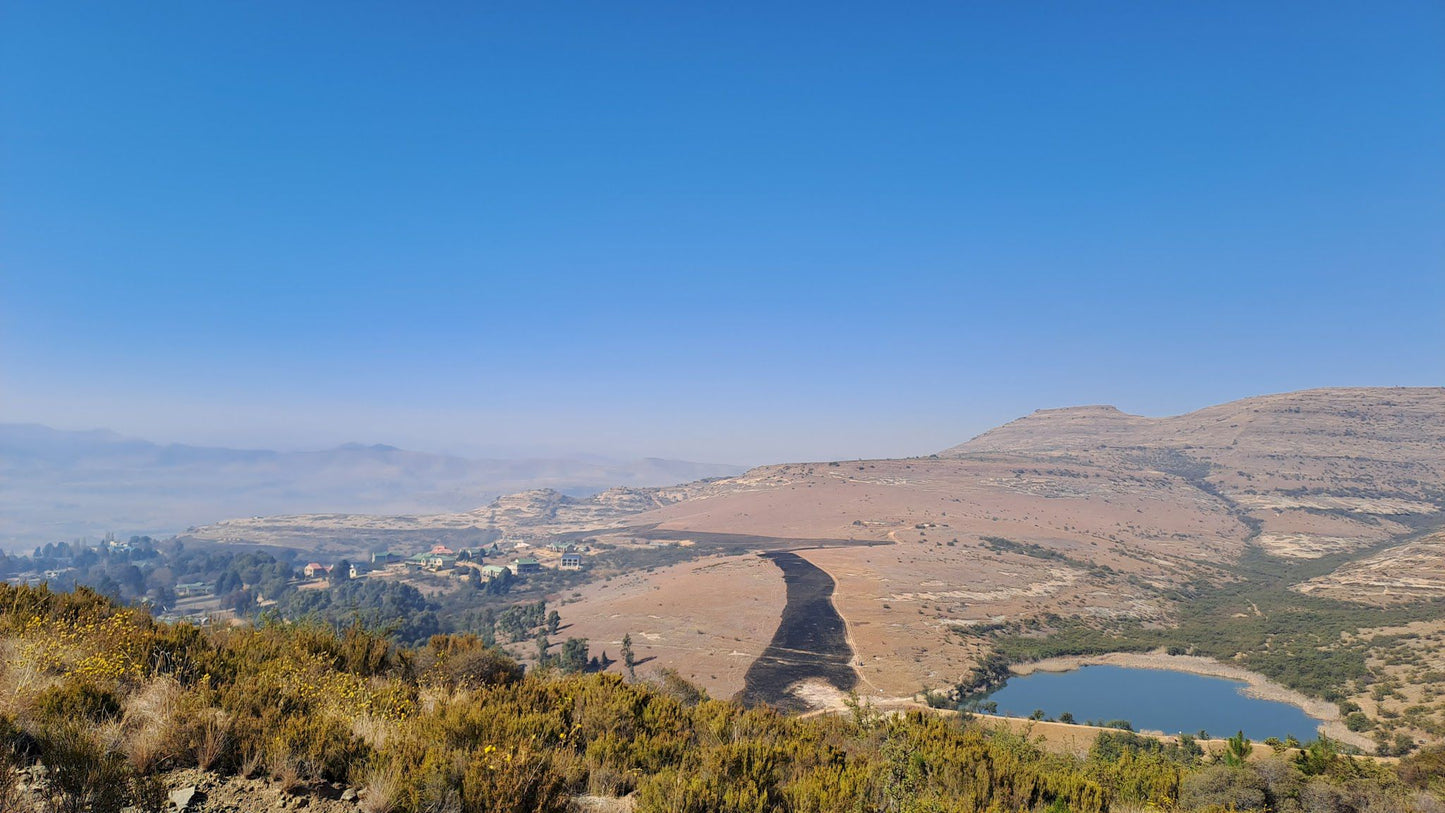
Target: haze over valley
(63, 485)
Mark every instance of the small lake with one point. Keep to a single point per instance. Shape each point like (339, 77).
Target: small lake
(1153, 699)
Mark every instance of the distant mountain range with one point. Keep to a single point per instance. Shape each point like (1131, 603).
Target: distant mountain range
(58, 485)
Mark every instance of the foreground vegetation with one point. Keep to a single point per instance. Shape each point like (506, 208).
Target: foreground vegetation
(108, 700)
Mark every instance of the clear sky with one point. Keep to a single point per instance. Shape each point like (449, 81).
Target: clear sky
(742, 232)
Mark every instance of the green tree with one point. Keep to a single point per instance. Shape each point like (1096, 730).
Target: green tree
(1237, 749)
(554, 620)
(1318, 757)
(628, 659)
(574, 655)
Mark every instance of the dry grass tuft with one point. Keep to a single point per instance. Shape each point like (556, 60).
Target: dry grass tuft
(22, 678)
(211, 739)
(381, 789)
(285, 768)
(252, 764)
(150, 735)
(374, 731)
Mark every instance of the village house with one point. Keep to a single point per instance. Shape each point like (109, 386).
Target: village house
(189, 589)
(385, 557)
(571, 561)
(441, 561)
(490, 572)
(315, 570)
(526, 566)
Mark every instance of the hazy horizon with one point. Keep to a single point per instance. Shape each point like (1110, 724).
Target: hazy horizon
(517, 451)
(741, 235)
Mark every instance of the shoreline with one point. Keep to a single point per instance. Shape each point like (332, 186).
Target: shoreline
(1057, 737)
(1256, 685)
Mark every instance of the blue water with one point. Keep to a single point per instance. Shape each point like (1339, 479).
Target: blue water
(1155, 700)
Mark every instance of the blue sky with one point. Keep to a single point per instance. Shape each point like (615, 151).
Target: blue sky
(746, 233)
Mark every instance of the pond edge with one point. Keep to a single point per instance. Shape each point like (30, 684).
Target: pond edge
(1256, 685)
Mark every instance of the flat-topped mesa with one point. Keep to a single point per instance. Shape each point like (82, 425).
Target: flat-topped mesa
(1346, 422)
(525, 506)
(1056, 430)
(627, 500)
(532, 498)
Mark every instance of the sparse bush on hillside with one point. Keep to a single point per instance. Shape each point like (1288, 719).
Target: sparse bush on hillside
(464, 661)
(84, 776)
(1223, 787)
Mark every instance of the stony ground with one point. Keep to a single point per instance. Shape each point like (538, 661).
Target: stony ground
(193, 791)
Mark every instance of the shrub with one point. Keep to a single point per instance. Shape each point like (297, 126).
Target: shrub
(78, 700)
(1357, 721)
(1426, 769)
(1223, 787)
(522, 779)
(310, 748)
(466, 661)
(83, 776)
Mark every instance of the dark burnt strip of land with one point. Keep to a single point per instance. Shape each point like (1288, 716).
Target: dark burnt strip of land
(811, 642)
(748, 541)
